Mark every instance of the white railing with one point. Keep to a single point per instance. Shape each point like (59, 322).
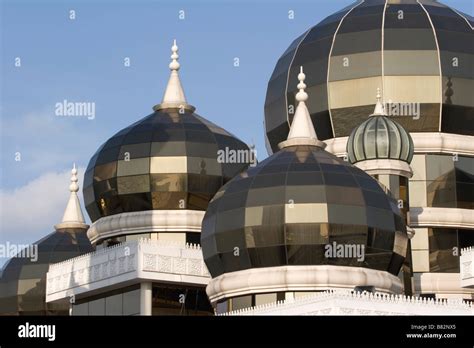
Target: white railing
(144, 258)
(343, 302)
(467, 267)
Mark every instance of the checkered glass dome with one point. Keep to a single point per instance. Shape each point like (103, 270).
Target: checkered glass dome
(288, 208)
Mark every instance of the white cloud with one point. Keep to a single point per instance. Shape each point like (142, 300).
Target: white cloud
(30, 212)
(45, 143)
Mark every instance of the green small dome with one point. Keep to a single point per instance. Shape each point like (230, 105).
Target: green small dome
(379, 137)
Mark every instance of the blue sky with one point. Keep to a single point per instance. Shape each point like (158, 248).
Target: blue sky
(82, 60)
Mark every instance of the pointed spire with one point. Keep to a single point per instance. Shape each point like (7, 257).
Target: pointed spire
(73, 217)
(174, 94)
(302, 130)
(379, 108)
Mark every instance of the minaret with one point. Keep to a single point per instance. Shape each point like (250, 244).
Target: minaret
(174, 97)
(384, 149)
(302, 130)
(73, 218)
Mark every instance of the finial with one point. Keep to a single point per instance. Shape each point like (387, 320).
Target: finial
(301, 96)
(73, 217)
(379, 108)
(174, 65)
(174, 97)
(74, 187)
(302, 130)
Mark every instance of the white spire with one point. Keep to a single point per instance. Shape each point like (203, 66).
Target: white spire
(73, 217)
(302, 129)
(174, 94)
(379, 108)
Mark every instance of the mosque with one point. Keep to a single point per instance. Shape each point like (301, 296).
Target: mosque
(363, 206)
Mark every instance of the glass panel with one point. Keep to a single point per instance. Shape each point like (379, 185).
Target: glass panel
(359, 151)
(395, 140)
(133, 167)
(355, 66)
(168, 182)
(105, 171)
(134, 151)
(405, 143)
(170, 148)
(108, 155)
(169, 164)
(442, 243)
(131, 302)
(242, 302)
(203, 166)
(169, 200)
(369, 139)
(97, 307)
(339, 179)
(302, 178)
(132, 184)
(113, 305)
(382, 139)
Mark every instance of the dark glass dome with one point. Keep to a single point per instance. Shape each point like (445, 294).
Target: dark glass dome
(23, 280)
(286, 209)
(167, 160)
(426, 58)
(379, 137)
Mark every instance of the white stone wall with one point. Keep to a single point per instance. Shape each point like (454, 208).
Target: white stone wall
(127, 263)
(467, 267)
(348, 303)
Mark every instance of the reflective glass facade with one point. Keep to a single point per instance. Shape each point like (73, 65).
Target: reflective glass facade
(444, 248)
(171, 300)
(125, 301)
(288, 208)
(442, 181)
(23, 280)
(397, 51)
(166, 300)
(167, 160)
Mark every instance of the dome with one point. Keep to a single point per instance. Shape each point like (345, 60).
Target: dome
(285, 210)
(379, 137)
(167, 160)
(23, 277)
(426, 60)
(23, 280)
(173, 164)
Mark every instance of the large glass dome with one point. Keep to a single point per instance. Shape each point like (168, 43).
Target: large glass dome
(167, 160)
(286, 209)
(416, 51)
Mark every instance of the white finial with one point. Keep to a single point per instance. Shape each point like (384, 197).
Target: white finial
(379, 108)
(301, 96)
(73, 217)
(302, 129)
(174, 95)
(74, 187)
(174, 65)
